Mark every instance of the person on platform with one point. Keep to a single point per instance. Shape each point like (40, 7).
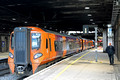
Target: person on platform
(111, 51)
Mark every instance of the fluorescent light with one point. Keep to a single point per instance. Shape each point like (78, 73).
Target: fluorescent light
(18, 4)
(11, 5)
(13, 19)
(87, 7)
(45, 26)
(26, 22)
(91, 19)
(109, 25)
(89, 15)
(37, 24)
(93, 23)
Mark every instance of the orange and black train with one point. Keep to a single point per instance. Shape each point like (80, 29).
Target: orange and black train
(31, 47)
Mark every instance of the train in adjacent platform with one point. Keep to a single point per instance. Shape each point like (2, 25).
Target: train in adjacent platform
(30, 47)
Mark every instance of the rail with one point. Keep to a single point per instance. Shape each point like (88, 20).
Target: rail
(4, 68)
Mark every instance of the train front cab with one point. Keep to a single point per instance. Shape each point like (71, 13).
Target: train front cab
(25, 50)
(11, 54)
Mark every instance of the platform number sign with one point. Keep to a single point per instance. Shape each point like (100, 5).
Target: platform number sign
(3, 43)
(85, 29)
(109, 32)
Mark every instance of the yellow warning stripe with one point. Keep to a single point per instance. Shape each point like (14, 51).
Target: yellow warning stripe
(69, 66)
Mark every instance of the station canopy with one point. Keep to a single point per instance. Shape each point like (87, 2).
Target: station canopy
(56, 15)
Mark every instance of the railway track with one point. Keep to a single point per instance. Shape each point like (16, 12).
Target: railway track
(5, 72)
(4, 68)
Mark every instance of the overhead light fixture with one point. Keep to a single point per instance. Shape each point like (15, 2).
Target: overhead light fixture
(26, 22)
(45, 26)
(37, 24)
(91, 19)
(18, 4)
(93, 23)
(10, 5)
(13, 19)
(109, 25)
(87, 7)
(89, 14)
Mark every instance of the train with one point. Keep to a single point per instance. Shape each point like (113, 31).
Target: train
(30, 47)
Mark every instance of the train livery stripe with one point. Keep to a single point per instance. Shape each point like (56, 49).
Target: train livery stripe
(69, 65)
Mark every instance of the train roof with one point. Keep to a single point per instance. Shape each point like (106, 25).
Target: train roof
(49, 31)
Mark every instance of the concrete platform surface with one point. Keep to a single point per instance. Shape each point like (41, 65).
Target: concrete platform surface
(81, 66)
(4, 55)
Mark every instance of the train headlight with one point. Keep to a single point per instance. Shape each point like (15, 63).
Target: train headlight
(11, 55)
(37, 55)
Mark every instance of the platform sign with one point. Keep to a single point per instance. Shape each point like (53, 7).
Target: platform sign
(85, 29)
(3, 43)
(109, 32)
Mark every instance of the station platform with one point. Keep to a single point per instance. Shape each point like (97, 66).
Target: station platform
(4, 55)
(81, 66)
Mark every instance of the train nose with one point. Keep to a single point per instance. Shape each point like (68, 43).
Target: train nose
(20, 69)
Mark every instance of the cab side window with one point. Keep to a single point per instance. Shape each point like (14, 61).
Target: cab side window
(50, 44)
(12, 41)
(46, 43)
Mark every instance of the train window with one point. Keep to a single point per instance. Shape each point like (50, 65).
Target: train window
(46, 43)
(50, 43)
(77, 45)
(64, 45)
(58, 45)
(36, 40)
(12, 41)
(67, 45)
(80, 44)
(71, 45)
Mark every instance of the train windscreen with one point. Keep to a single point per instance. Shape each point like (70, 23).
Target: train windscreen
(12, 41)
(36, 40)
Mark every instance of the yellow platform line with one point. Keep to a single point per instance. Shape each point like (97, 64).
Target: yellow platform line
(95, 62)
(69, 65)
(3, 56)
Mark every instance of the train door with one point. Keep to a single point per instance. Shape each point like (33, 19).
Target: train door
(47, 48)
(85, 44)
(81, 44)
(77, 45)
(51, 45)
(67, 45)
(64, 46)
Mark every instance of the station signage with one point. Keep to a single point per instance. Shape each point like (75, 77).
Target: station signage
(85, 29)
(109, 32)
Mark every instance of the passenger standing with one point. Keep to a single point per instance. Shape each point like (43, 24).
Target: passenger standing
(110, 50)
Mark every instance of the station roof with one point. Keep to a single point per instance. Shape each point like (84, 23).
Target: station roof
(56, 15)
